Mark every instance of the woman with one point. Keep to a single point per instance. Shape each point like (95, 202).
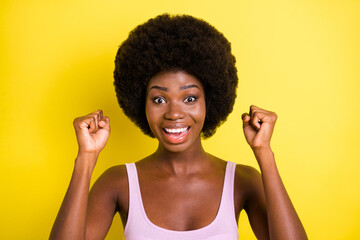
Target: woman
(175, 78)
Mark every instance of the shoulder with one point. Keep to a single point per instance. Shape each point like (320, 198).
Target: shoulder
(108, 195)
(252, 199)
(248, 184)
(247, 174)
(116, 175)
(113, 184)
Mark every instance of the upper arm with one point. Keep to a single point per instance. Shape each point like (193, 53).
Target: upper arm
(255, 204)
(103, 202)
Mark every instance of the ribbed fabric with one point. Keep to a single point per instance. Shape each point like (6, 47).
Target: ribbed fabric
(223, 227)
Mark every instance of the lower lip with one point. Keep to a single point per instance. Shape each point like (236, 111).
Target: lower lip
(172, 138)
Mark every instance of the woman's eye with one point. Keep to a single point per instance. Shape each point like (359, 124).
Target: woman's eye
(190, 99)
(159, 100)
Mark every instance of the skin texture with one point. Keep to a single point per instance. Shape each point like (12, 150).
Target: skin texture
(179, 179)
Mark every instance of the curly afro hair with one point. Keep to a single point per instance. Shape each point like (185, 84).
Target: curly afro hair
(174, 43)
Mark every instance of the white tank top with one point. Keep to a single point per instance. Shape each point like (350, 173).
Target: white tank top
(223, 227)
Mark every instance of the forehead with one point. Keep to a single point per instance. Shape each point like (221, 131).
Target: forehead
(174, 80)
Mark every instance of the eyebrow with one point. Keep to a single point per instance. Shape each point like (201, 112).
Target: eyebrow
(166, 89)
(188, 86)
(160, 88)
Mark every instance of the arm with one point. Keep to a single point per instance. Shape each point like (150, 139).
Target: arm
(282, 219)
(92, 132)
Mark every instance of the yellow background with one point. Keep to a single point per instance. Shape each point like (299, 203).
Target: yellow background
(300, 59)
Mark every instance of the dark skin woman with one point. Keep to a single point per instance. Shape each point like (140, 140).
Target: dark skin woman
(181, 184)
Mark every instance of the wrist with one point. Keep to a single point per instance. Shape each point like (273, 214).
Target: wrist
(87, 155)
(85, 163)
(264, 156)
(83, 151)
(259, 150)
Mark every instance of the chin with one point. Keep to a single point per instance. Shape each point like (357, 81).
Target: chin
(187, 144)
(175, 148)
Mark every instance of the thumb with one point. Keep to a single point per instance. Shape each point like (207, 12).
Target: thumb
(104, 123)
(246, 119)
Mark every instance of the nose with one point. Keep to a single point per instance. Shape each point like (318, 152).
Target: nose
(174, 111)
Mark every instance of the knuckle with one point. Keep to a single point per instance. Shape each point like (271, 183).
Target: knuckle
(98, 112)
(76, 121)
(253, 120)
(274, 115)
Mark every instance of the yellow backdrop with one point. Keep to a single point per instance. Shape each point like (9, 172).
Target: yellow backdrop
(298, 58)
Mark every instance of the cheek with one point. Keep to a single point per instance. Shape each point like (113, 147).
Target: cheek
(153, 115)
(199, 113)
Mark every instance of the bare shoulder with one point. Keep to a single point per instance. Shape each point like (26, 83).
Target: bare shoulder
(247, 173)
(113, 183)
(248, 179)
(114, 176)
(248, 185)
(108, 195)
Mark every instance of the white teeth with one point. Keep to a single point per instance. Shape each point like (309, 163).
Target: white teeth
(175, 130)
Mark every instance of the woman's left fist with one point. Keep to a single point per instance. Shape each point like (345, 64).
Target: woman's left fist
(258, 126)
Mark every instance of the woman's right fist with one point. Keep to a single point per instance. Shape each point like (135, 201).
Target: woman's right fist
(92, 132)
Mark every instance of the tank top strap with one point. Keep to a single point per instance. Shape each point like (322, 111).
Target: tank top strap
(135, 202)
(226, 210)
(133, 182)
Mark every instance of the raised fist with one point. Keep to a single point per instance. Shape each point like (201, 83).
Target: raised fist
(258, 126)
(92, 132)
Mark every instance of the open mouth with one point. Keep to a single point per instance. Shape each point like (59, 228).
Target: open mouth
(176, 135)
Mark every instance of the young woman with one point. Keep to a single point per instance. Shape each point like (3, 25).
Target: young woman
(175, 78)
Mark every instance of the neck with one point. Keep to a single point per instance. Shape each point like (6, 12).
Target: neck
(185, 162)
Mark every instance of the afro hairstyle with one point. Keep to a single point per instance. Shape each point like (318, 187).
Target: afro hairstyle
(176, 43)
